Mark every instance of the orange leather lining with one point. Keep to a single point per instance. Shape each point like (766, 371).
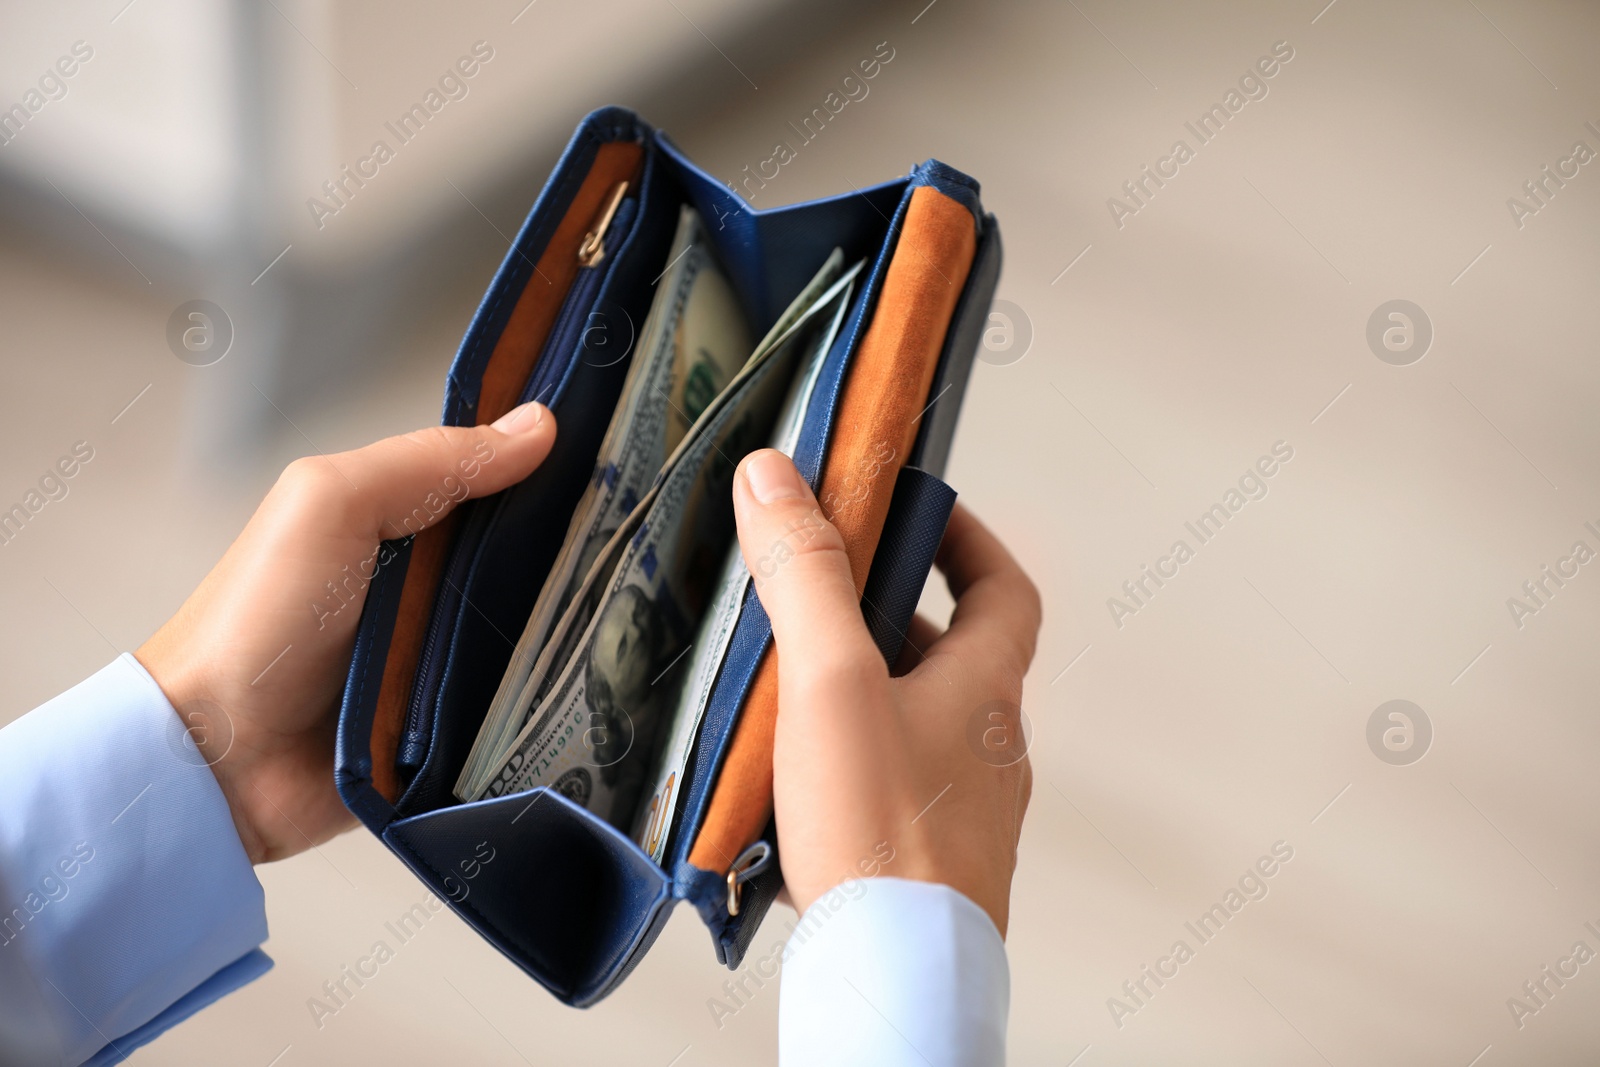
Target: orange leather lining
(505, 375)
(875, 429)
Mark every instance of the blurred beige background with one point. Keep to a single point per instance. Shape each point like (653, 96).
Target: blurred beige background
(1227, 314)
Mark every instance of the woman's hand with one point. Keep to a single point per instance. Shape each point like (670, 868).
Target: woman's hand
(931, 762)
(255, 660)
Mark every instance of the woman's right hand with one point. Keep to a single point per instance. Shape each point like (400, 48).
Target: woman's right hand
(929, 764)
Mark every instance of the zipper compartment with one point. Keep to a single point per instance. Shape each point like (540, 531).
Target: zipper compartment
(561, 351)
(566, 336)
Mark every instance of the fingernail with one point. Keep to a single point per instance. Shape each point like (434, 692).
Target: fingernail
(772, 477)
(520, 419)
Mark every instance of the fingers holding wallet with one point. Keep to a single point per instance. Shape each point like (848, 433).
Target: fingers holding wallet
(862, 760)
(255, 659)
(798, 561)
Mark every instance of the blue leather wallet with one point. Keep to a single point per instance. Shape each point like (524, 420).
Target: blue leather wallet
(568, 897)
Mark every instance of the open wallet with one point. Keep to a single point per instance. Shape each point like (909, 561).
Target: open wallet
(561, 706)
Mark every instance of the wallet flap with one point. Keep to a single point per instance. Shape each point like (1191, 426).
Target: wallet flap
(567, 897)
(879, 411)
(918, 514)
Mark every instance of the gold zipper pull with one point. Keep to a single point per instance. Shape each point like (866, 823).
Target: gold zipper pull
(593, 248)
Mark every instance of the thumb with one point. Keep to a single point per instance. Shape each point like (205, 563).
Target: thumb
(401, 485)
(798, 561)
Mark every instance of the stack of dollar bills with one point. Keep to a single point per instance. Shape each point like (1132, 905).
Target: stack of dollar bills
(605, 692)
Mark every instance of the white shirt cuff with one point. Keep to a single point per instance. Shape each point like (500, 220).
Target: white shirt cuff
(887, 971)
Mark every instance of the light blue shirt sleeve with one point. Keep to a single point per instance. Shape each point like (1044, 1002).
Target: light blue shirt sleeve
(891, 972)
(127, 902)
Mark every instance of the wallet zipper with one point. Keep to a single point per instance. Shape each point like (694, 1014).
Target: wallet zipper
(593, 248)
(615, 212)
(614, 215)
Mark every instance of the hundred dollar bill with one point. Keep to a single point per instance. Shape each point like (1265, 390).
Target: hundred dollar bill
(690, 689)
(591, 735)
(700, 371)
(694, 329)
